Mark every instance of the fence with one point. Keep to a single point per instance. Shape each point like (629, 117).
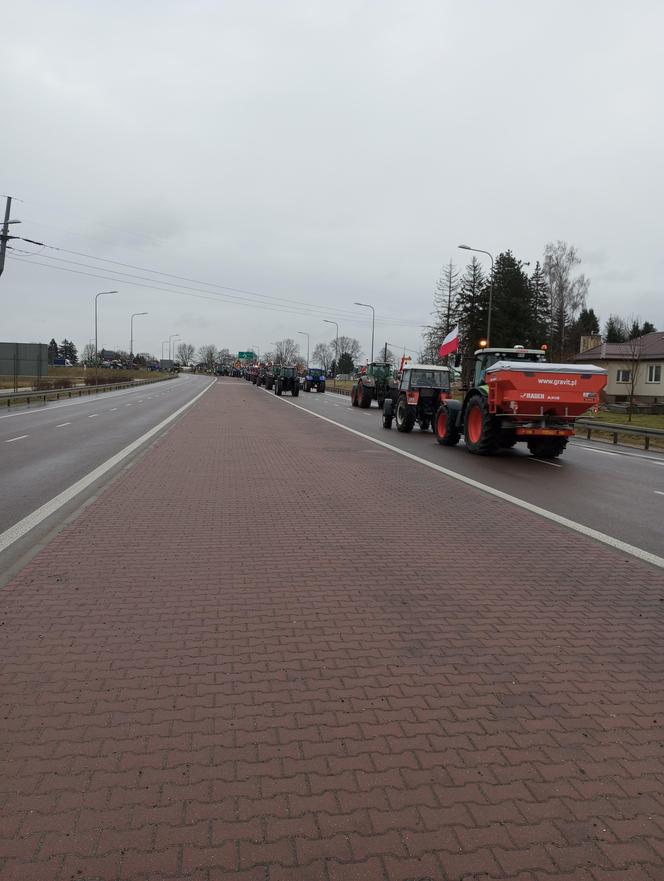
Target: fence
(78, 391)
(590, 425)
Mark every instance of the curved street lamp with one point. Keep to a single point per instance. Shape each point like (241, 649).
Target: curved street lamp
(131, 334)
(490, 256)
(373, 323)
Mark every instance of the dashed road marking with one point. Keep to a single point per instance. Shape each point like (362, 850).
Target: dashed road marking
(113, 408)
(543, 461)
(62, 424)
(20, 437)
(92, 415)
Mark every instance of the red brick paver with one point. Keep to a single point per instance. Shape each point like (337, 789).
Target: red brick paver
(272, 651)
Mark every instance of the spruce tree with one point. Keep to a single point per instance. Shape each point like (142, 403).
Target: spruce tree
(648, 327)
(444, 313)
(615, 330)
(68, 350)
(472, 310)
(541, 307)
(513, 314)
(53, 351)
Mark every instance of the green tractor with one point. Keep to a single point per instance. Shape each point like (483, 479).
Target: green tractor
(271, 375)
(374, 383)
(287, 381)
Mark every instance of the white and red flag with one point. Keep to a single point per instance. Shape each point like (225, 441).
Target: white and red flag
(450, 343)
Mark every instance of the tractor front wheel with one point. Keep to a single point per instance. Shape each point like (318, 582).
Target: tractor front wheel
(365, 395)
(277, 389)
(446, 431)
(424, 424)
(296, 391)
(481, 428)
(547, 447)
(353, 397)
(405, 415)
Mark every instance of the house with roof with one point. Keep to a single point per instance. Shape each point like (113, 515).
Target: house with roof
(639, 362)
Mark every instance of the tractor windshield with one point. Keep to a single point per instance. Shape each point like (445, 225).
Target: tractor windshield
(430, 379)
(316, 373)
(287, 372)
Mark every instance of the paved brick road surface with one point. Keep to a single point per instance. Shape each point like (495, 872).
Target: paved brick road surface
(272, 651)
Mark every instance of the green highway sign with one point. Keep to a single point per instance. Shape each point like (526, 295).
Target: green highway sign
(246, 356)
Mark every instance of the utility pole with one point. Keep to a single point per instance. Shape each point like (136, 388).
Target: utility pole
(4, 236)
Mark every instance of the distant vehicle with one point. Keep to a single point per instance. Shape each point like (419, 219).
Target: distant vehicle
(374, 383)
(417, 397)
(287, 381)
(314, 378)
(62, 362)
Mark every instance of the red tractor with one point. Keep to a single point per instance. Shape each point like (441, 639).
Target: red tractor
(517, 396)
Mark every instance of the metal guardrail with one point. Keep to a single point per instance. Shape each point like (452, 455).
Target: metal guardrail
(615, 429)
(55, 394)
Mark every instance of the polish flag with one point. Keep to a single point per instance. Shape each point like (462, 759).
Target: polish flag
(450, 343)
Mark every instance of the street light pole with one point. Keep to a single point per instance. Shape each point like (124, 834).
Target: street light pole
(97, 296)
(304, 333)
(131, 337)
(336, 350)
(373, 324)
(172, 337)
(490, 256)
(163, 343)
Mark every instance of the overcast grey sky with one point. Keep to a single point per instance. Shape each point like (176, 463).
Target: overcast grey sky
(323, 152)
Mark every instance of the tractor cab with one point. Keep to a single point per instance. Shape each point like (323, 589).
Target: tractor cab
(485, 358)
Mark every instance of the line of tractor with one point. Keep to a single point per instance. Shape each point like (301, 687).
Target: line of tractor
(515, 396)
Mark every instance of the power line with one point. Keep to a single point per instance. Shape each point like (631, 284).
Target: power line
(192, 292)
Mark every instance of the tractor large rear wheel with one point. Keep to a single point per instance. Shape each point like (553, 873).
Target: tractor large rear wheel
(405, 415)
(481, 429)
(547, 447)
(447, 433)
(365, 395)
(353, 397)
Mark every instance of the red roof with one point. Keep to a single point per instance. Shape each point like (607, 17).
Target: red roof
(651, 346)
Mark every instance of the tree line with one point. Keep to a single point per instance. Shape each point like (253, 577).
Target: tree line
(546, 306)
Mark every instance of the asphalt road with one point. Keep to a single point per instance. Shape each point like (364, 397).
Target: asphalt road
(616, 491)
(47, 448)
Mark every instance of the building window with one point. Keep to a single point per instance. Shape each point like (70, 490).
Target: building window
(654, 373)
(624, 376)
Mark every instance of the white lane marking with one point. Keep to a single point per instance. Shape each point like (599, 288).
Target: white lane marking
(62, 424)
(588, 531)
(140, 400)
(20, 437)
(543, 462)
(129, 405)
(659, 492)
(92, 415)
(618, 453)
(18, 530)
(113, 408)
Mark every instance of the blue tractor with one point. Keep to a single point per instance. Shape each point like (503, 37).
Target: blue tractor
(314, 378)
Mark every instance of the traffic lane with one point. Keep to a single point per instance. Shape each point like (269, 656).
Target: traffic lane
(25, 419)
(615, 494)
(48, 460)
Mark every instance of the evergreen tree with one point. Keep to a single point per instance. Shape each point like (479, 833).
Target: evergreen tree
(472, 305)
(513, 315)
(586, 324)
(345, 363)
(615, 330)
(540, 306)
(634, 330)
(444, 310)
(648, 327)
(68, 350)
(53, 351)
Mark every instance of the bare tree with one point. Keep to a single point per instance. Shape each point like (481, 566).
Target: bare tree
(323, 354)
(567, 293)
(186, 353)
(348, 345)
(635, 351)
(88, 356)
(208, 356)
(286, 351)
